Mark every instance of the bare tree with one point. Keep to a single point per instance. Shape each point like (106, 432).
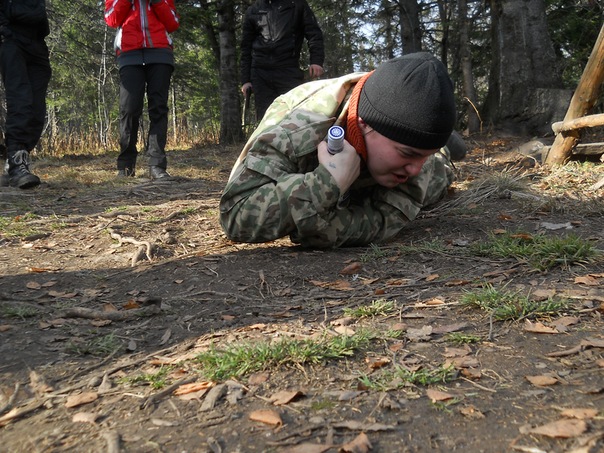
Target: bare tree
(525, 84)
(230, 111)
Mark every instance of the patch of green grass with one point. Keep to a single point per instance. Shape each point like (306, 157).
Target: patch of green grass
(240, 360)
(399, 376)
(322, 405)
(156, 380)
(116, 208)
(188, 211)
(17, 227)
(16, 311)
(462, 338)
(434, 246)
(444, 406)
(510, 305)
(98, 346)
(540, 251)
(373, 254)
(394, 334)
(380, 307)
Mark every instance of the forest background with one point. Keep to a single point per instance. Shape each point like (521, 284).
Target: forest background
(515, 63)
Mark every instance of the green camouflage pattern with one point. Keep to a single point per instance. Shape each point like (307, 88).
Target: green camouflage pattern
(277, 186)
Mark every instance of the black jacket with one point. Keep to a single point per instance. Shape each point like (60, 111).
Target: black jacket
(26, 18)
(273, 32)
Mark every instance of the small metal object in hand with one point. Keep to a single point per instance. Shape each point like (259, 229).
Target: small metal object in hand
(335, 139)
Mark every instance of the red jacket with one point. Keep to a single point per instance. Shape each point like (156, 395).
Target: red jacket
(141, 24)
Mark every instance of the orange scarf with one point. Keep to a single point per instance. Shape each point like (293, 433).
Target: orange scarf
(353, 133)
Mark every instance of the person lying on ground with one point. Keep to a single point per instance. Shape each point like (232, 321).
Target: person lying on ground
(398, 120)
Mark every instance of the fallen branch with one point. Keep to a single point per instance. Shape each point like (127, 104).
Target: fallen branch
(151, 399)
(9, 404)
(146, 246)
(87, 313)
(585, 344)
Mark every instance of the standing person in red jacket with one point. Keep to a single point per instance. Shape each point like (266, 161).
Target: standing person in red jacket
(146, 61)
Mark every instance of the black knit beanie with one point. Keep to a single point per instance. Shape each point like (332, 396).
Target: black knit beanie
(410, 100)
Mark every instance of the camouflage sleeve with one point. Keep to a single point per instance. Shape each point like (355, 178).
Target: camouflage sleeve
(268, 198)
(376, 214)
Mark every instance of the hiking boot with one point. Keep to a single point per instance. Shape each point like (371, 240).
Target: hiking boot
(456, 146)
(17, 171)
(158, 172)
(125, 172)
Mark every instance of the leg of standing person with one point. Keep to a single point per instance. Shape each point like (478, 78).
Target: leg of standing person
(158, 87)
(14, 55)
(264, 90)
(39, 72)
(132, 93)
(286, 79)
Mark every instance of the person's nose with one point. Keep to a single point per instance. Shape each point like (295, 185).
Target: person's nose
(415, 166)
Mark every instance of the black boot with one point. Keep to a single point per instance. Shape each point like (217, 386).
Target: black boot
(17, 172)
(158, 172)
(126, 172)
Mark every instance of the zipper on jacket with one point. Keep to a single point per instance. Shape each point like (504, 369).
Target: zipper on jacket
(144, 19)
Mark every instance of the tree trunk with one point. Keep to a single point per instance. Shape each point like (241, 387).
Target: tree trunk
(525, 85)
(411, 34)
(469, 92)
(230, 99)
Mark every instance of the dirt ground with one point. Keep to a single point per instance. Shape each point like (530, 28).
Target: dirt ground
(105, 281)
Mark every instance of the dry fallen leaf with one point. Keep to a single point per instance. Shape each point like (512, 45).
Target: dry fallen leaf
(266, 416)
(193, 387)
(587, 280)
(84, 417)
(561, 428)
(580, 413)
(307, 448)
(360, 444)
(537, 327)
(542, 381)
(258, 378)
(344, 330)
(471, 412)
(131, 305)
(419, 334)
(377, 362)
(33, 285)
(284, 397)
(352, 268)
(81, 398)
(437, 395)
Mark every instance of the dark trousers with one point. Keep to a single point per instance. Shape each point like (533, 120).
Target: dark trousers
(26, 72)
(135, 80)
(268, 84)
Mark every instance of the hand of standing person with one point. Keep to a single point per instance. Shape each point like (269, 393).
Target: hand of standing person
(315, 71)
(246, 86)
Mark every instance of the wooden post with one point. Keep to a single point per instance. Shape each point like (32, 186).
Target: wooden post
(581, 103)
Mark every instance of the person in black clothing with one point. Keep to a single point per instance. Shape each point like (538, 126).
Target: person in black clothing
(273, 32)
(25, 70)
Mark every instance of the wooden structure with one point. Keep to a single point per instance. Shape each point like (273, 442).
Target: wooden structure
(587, 92)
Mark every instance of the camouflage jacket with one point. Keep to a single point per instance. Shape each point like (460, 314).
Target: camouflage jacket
(277, 186)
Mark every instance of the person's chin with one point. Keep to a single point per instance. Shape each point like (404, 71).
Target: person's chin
(389, 181)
